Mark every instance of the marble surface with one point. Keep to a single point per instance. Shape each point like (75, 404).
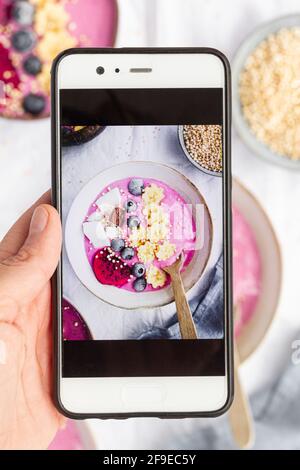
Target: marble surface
(25, 173)
(116, 145)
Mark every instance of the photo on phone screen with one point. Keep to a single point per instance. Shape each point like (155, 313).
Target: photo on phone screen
(142, 189)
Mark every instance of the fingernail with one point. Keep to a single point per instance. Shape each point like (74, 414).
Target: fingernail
(39, 220)
(2, 352)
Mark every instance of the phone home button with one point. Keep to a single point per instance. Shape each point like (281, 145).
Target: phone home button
(142, 397)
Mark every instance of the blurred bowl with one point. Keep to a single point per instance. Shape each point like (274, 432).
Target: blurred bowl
(78, 135)
(255, 330)
(75, 327)
(239, 121)
(194, 162)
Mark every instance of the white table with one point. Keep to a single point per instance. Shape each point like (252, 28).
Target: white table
(25, 163)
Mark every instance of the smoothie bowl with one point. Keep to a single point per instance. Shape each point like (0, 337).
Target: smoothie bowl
(257, 270)
(127, 224)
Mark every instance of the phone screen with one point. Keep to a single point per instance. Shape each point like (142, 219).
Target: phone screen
(142, 191)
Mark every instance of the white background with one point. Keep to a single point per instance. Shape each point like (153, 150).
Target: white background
(25, 173)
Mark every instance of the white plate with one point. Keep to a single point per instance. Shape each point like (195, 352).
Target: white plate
(74, 239)
(254, 331)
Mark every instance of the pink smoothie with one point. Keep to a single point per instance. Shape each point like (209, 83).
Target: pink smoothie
(246, 270)
(182, 225)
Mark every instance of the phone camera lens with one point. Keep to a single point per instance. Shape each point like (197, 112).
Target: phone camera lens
(100, 70)
(117, 70)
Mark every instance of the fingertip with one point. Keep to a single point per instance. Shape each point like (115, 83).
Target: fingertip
(54, 223)
(54, 232)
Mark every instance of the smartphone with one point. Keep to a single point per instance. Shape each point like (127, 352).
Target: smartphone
(141, 179)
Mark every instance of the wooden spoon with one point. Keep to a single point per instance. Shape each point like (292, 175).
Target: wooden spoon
(240, 416)
(185, 319)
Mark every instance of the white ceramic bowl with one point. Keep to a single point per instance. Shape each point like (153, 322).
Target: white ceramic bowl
(74, 239)
(241, 125)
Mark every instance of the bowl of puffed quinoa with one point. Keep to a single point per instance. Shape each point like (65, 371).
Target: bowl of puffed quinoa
(202, 145)
(266, 91)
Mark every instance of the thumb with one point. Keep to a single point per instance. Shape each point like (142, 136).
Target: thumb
(23, 275)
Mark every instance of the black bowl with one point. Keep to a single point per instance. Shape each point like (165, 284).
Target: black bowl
(78, 135)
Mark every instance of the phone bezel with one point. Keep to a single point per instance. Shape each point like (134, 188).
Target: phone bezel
(56, 284)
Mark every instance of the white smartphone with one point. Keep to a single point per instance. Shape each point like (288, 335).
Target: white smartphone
(141, 179)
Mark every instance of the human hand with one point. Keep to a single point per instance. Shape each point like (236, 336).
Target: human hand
(28, 257)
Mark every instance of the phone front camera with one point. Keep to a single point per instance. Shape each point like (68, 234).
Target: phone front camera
(100, 70)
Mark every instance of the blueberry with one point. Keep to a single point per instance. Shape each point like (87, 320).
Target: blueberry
(117, 244)
(23, 12)
(133, 221)
(32, 65)
(131, 205)
(136, 186)
(23, 40)
(140, 284)
(34, 104)
(138, 269)
(127, 253)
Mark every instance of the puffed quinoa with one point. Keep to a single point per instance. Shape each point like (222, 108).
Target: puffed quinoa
(270, 92)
